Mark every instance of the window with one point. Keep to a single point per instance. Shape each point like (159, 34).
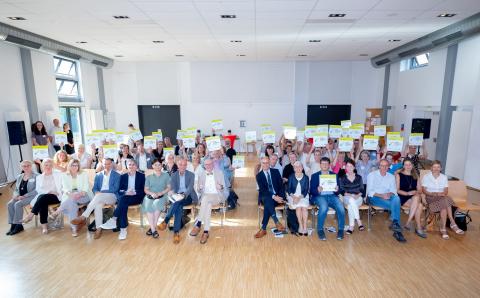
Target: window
(415, 62)
(69, 93)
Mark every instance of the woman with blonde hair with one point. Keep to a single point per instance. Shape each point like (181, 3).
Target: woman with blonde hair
(297, 190)
(83, 157)
(60, 161)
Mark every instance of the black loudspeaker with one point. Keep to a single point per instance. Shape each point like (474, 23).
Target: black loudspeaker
(16, 132)
(422, 125)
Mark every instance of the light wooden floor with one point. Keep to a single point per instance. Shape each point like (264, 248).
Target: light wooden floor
(233, 263)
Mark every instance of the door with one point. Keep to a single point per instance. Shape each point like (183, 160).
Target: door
(165, 117)
(328, 114)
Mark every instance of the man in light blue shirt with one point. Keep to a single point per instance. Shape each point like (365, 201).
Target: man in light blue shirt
(382, 192)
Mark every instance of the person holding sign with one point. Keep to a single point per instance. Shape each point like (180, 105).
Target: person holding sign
(84, 158)
(131, 192)
(123, 158)
(382, 192)
(49, 188)
(183, 194)
(75, 191)
(435, 188)
(352, 189)
(297, 196)
(169, 165)
(69, 146)
(364, 165)
(323, 186)
(22, 196)
(142, 158)
(271, 194)
(157, 185)
(196, 168)
(105, 190)
(212, 189)
(408, 190)
(158, 152)
(415, 156)
(56, 128)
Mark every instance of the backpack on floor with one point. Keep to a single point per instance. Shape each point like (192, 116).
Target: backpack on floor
(107, 214)
(292, 220)
(462, 219)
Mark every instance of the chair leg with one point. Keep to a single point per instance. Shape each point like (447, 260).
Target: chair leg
(369, 214)
(285, 215)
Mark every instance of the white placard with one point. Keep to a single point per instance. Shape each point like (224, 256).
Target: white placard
(300, 135)
(395, 144)
(167, 151)
(328, 182)
(380, 130)
(415, 139)
(238, 161)
(189, 141)
(180, 134)
(265, 127)
(93, 139)
(213, 143)
(136, 135)
(61, 137)
(217, 124)
(345, 144)
(320, 140)
(346, 123)
(250, 136)
(370, 142)
(355, 132)
(290, 132)
(322, 128)
(110, 151)
(40, 152)
(310, 130)
(150, 142)
(158, 135)
(109, 135)
(268, 137)
(335, 131)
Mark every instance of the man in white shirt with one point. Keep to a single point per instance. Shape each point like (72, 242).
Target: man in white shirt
(212, 189)
(56, 128)
(105, 190)
(382, 192)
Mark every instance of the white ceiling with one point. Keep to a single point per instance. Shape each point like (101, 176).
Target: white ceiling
(268, 29)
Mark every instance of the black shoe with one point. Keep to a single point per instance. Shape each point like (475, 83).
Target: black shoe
(399, 237)
(12, 227)
(155, 235)
(395, 226)
(349, 232)
(340, 235)
(149, 232)
(321, 235)
(17, 229)
(305, 234)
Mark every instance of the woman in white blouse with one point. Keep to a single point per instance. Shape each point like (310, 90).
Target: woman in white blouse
(195, 167)
(75, 191)
(49, 188)
(435, 188)
(84, 157)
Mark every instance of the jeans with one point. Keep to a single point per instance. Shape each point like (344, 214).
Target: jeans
(323, 203)
(121, 212)
(176, 210)
(268, 211)
(393, 204)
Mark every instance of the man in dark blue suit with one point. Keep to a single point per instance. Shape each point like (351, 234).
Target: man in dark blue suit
(131, 192)
(271, 193)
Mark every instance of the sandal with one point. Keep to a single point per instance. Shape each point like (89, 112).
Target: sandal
(444, 234)
(457, 229)
(349, 231)
(361, 228)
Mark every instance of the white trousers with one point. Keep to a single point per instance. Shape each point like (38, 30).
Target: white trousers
(99, 200)
(205, 213)
(353, 206)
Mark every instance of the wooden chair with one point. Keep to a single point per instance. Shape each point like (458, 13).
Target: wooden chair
(222, 207)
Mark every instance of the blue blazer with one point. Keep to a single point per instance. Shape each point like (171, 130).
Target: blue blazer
(315, 181)
(113, 183)
(277, 183)
(292, 184)
(189, 184)
(139, 184)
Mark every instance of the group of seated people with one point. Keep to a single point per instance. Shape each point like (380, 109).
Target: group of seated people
(177, 182)
(294, 178)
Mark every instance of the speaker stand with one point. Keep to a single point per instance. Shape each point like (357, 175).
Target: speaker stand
(20, 150)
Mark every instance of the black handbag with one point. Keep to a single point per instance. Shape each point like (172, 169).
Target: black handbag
(462, 219)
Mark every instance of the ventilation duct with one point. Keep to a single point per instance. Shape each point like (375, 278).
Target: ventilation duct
(34, 41)
(444, 37)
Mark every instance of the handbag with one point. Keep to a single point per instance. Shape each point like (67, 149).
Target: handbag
(462, 219)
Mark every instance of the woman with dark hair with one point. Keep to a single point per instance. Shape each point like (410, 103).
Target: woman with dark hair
(123, 156)
(158, 152)
(352, 188)
(39, 134)
(69, 146)
(408, 190)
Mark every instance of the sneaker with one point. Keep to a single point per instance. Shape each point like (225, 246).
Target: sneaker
(340, 235)
(74, 231)
(421, 233)
(123, 234)
(399, 237)
(321, 235)
(110, 224)
(149, 232)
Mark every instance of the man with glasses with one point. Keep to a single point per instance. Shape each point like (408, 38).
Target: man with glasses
(382, 192)
(271, 194)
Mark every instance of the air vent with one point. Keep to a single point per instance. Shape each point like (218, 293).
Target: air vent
(23, 42)
(330, 21)
(99, 63)
(228, 16)
(408, 53)
(381, 62)
(447, 38)
(69, 55)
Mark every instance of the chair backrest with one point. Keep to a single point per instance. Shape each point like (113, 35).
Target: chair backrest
(457, 190)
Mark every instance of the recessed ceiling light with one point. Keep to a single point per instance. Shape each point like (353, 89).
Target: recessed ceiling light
(158, 41)
(179, 55)
(241, 55)
(118, 56)
(363, 55)
(121, 17)
(235, 41)
(228, 16)
(394, 40)
(17, 18)
(302, 55)
(314, 40)
(336, 15)
(80, 42)
(446, 15)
